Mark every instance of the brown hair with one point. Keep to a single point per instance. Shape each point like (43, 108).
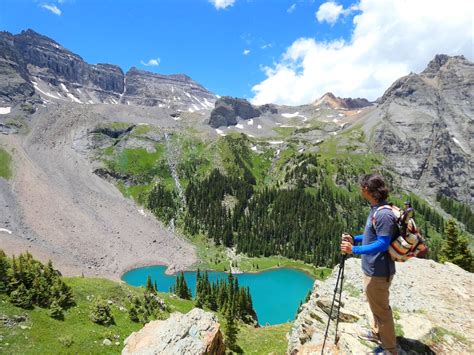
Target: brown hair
(375, 185)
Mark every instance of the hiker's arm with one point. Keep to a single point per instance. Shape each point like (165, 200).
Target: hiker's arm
(381, 244)
(358, 238)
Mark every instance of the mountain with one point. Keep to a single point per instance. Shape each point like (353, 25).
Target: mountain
(329, 100)
(34, 65)
(423, 126)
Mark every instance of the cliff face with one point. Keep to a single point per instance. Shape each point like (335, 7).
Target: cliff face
(425, 128)
(431, 304)
(177, 92)
(31, 64)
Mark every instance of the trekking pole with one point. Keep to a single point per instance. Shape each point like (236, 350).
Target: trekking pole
(339, 274)
(336, 339)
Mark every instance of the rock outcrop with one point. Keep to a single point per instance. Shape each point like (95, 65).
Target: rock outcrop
(196, 332)
(177, 92)
(431, 304)
(424, 128)
(228, 110)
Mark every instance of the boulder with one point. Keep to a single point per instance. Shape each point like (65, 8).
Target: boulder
(196, 332)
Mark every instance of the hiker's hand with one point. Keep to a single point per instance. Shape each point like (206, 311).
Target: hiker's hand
(347, 238)
(346, 248)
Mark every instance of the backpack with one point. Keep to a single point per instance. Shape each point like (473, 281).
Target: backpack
(410, 242)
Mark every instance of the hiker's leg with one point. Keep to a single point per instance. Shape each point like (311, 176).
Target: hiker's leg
(377, 292)
(374, 323)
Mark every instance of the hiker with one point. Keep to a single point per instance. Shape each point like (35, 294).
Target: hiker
(377, 265)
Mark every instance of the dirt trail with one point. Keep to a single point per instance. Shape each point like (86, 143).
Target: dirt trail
(71, 215)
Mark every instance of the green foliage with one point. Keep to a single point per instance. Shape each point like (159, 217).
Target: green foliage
(56, 311)
(28, 282)
(21, 297)
(66, 341)
(101, 314)
(455, 248)
(180, 288)
(462, 212)
(231, 329)
(5, 164)
(163, 203)
(224, 296)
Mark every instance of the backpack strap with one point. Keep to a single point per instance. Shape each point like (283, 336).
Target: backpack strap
(383, 207)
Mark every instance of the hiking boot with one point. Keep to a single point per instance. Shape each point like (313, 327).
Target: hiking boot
(369, 336)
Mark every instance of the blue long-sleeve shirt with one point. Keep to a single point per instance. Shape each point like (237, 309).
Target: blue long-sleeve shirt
(380, 245)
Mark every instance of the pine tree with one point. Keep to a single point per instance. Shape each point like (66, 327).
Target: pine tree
(455, 248)
(150, 288)
(101, 314)
(231, 330)
(56, 311)
(21, 297)
(4, 266)
(133, 314)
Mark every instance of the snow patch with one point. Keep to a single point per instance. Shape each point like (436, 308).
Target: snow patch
(5, 110)
(456, 141)
(359, 111)
(239, 126)
(301, 150)
(64, 87)
(340, 115)
(275, 142)
(185, 93)
(254, 148)
(79, 91)
(335, 120)
(290, 115)
(334, 133)
(329, 116)
(278, 152)
(218, 131)
(259, 127)
(73, 98)
(6, 230)
(142, 212)
(250, 122)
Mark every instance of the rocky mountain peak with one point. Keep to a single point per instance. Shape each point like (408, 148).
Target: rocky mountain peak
(331, 101)
(228, 110)
(439, 61)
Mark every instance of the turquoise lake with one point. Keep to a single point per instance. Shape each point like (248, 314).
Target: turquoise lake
(276, 294)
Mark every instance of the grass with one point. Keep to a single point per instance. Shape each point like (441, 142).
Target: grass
(5, 164)
(256, 264)
(78, 334)
(211, 257)
(437, 335)
(352, 290)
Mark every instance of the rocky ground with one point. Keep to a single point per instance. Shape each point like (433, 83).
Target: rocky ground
(431, 302)
(55, 207)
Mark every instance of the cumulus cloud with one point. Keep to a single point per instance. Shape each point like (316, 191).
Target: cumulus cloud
(222, 4)
(329, 12)
(152, 62)
(291, 9)
(266, 46)
(246, 52)
(390, 39)
(53, 8)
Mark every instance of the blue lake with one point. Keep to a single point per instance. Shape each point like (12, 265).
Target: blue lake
(276, 294)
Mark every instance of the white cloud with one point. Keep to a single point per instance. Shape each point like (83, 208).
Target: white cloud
(265, 46)
(222, 4)
(151, 62)
(53, 8)
(291, 9)
(390, 39)
(329, 12)
(246, 52)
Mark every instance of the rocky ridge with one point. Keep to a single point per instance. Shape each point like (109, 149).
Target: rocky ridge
(330, 100)
(34, 65)
(431, 304)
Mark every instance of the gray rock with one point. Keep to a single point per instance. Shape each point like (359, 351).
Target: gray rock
(196, 332)
(229, 109)
(425, 129)
(107, 342)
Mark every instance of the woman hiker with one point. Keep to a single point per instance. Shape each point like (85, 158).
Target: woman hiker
(377, 265)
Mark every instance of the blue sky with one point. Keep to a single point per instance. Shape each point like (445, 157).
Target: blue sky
(188, 36)
(298, 49)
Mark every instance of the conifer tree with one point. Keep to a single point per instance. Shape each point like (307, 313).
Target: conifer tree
(455, 248)
(56, 311)
(101, 313)
(231, 329)
(21, 297)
